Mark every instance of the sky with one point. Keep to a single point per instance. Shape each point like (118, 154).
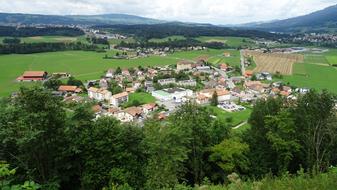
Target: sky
(201, 11)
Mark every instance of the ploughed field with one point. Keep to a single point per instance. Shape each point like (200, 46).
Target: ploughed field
(274, 62)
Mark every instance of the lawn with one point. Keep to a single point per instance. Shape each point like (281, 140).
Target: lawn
(236, 117)
(141, 97)
(82, 64)
(314, 76)
(173, 38)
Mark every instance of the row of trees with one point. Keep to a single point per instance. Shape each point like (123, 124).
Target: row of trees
(28, 48)
(67, 149)
(38, 31)
(173, 44)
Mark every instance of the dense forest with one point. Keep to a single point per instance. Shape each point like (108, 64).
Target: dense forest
(65, 147)
(27, 48)
(39, 31)
(171, 29)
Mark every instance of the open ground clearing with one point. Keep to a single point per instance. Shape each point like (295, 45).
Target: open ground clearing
(274, 62)
(81, 64)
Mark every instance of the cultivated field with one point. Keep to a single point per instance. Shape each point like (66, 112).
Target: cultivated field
(274, 62)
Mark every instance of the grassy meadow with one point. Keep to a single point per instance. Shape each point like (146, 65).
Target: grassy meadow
(230, 41)
(83, 65)
(316, 72)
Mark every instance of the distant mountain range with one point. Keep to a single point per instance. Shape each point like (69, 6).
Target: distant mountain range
(17, 18)
(323, 20)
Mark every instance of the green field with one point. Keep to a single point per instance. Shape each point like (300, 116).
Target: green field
(83, 65)
(159, 40)
(233, 60)
(230, 41)
(314, 76)
(237, 117)
(118, 41)
(141, 97)
(51, 39)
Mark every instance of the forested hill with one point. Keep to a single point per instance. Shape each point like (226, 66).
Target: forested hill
(14, 19)
(323, 20)
(39, 31)
(187, 30)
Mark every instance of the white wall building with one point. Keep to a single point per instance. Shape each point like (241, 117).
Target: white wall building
(99, 94)
(118, 99)
(176, 94)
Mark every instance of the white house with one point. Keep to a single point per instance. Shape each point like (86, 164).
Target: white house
(129, 114)
(167, 81)
(223, 95)
(176, 94)
(99, 94)
(187, 83)
(118, 99)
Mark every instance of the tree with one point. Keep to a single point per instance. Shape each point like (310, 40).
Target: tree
(214, 100)
(32, 133)
(52, 84)
(6, 181)
(166, 154)
(118, 71)
(74, 82)
(315, 116)
(114, 88)
(230, 156)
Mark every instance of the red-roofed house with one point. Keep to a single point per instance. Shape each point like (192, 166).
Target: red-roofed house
(71, 89)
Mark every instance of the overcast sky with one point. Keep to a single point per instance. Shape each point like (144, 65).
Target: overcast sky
(204, 11)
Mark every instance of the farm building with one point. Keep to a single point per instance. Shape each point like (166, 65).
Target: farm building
(69, 89)
(33, 76)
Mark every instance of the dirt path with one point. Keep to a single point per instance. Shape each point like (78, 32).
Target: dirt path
(240, 125)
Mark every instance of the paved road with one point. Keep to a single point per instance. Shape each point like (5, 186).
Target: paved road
(224, 74)
(243, 70)
(240, 125)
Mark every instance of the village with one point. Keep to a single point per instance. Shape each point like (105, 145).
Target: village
(171, 86)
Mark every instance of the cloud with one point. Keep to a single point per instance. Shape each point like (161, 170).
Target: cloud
(208, 11)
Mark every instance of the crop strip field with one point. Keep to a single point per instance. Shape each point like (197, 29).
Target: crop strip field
(274, 62)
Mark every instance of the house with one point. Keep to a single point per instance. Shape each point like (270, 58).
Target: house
(227, 54)
(69, 89)
(103, 83)
(130, 90)
(255, 86)
(167, 81)
(125, 72)
(129, 114)
(184, 65)
(110, 73)
(29, 76)
(249, 73)
(119, 99)
(99, 94)
(187, 83)
(147, 108)
(202, 99)
(61, 75)
(223, 66)
(204, 69)
(223, 94)
(176, 94)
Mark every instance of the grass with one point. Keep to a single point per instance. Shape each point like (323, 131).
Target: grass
(118, 41)
(313, 76)
(51, 39)
(82, 64)
(173, 38)
(230, 41)
(237, 117)
(141, 97)
(233, 60)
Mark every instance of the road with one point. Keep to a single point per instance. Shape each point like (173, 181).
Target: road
(243, 70)
(230, 83)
